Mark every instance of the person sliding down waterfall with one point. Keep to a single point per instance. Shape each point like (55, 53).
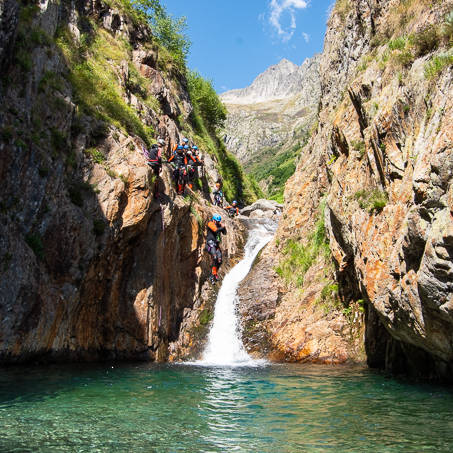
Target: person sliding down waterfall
(233, 209)
(154, 160)
(215, 229)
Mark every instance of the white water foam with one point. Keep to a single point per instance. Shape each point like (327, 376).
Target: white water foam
(224, 346)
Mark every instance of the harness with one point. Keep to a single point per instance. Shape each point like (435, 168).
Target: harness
(153, 155)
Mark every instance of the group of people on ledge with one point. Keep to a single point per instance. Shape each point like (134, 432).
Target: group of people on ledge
(186, 159)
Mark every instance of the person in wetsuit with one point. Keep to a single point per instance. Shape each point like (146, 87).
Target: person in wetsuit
(153, 158)
(233, 209)
(213, 238)
(218, 194)
(180, 160)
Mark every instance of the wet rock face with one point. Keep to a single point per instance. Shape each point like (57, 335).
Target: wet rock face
(92, 265)
(284, 324)
(382, 158)
(269, 209)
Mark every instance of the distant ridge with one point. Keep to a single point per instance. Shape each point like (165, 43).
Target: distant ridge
(269, 121)
(279, 81)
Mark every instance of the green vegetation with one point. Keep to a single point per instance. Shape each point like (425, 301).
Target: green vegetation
(425, 41)
(95, 72)
(437, 64)
(371, 200)
(342, 8)
(34, 241)
(197, 216)
(359, 146)
(397, 44)
(203, 95)
(168, 31)
(275, 166)
(95, 80)
(205, 317)
(28, 37)
(328, 298)
(209, 113)
(299, 258)
(403, 50)
(365, 61)
(95, 155)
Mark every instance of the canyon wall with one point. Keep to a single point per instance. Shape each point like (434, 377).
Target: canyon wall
(94, 263)
(377, 177)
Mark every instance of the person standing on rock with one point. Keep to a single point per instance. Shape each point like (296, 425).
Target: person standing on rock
(215, 229)
(154, 160)
(193, 163)
(218, 194)
(233, 209)
(184, 142)
(180, 161)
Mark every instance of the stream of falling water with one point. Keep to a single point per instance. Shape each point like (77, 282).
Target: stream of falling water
(224, 346)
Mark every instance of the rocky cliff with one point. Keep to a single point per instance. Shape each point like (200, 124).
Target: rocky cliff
(268, 121)
(377, 177)
(92, 264)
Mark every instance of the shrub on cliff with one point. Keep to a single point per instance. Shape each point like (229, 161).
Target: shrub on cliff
(205, 100)
(169, 31)
(299, 257)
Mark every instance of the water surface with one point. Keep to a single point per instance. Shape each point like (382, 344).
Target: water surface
(179, 408)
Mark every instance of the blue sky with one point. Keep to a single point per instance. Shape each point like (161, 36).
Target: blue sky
(235, 40)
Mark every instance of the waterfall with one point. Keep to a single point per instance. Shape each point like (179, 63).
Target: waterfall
(224, 343)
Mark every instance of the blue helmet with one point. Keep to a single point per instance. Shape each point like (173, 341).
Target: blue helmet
(235, 202)
(194, 147)
(185, 140)
(186, 146)
(179, 147)
(216, 217)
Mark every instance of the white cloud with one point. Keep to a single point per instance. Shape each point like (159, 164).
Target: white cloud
(278, 7)
(306, 36)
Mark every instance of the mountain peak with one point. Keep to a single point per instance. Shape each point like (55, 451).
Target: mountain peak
(287, 63)
(279, 81)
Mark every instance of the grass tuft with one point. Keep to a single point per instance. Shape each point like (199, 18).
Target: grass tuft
(437, 64)
(371, 200)
(299, 258)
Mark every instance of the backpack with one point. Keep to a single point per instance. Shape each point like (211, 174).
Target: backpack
(153, 155)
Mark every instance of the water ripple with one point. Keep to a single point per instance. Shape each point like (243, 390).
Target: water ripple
(156, 408)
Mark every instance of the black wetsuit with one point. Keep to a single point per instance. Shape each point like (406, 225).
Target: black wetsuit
(154, 159)
(213, 243)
